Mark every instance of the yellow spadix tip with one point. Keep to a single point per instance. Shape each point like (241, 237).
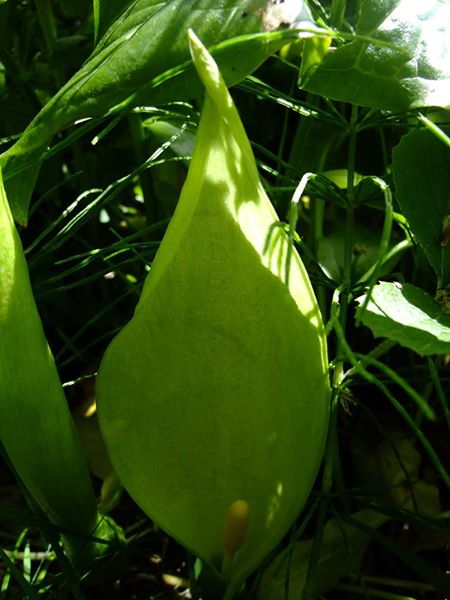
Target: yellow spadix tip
(236, 524)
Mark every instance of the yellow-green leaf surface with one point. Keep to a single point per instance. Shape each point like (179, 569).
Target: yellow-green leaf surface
(217, 389)
(36, 429)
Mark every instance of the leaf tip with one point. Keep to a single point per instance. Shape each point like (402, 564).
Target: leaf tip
(205, 65)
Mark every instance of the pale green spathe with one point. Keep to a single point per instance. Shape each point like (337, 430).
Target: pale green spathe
(217, 389)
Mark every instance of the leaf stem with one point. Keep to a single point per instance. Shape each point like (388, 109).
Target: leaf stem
(349, 221)
(47, 23)
(395, 403)
(439, 390)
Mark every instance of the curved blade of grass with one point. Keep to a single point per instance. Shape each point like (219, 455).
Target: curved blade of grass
(359, 368)
(422, 405)
(28, 589)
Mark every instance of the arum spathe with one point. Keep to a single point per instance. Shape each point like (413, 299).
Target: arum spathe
(36, 428)
(213, 400)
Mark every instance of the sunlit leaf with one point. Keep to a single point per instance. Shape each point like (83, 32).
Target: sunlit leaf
(407, 68)
(407, 315)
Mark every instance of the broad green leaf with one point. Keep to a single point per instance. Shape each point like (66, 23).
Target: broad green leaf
(405, 67)
(421, 165)
(36, 428)
(106, 11)
(217, 389)
(342, 549)
(407, 315)
(143, 58)
(132, 15)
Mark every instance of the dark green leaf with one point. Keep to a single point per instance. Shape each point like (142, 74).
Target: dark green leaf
(421, 165)
(129, 61)
(406, 67)
(130, 11)
(407, 315)
(342, 549)
(438, 579)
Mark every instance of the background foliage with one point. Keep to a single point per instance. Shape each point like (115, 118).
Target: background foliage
(369, 124)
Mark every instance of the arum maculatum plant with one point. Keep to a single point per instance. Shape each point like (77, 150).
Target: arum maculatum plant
(214, 399)
(36, 428)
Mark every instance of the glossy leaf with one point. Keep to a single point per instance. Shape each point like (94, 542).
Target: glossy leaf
(36, 429)
(127, 66)
(217, 389)
(407, 68)
(106, 11)
(421, 164)
(407, 315)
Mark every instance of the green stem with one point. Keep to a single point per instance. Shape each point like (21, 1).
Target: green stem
(47, 22)
(435, 130)
(444, 278)
(439, 391)
(327, 483)
(337, 13)
(140, 150)
(331, 449)
(350, 355)
(402, 383)
(404, 584)
(373, 592)
(282, 144)
(349, 221)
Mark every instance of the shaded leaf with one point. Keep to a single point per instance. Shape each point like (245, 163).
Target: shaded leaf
(106, 11)
(410, 70)
(342, 549)
(85, 419)
(421, 164)
(428, 572)
(407, 315)
(365, 252)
